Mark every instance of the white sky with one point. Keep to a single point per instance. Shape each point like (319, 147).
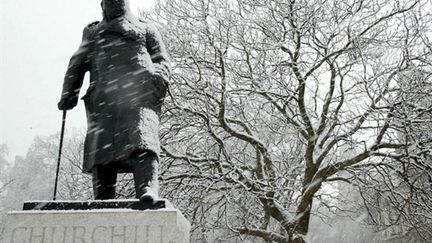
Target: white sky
(37, 38)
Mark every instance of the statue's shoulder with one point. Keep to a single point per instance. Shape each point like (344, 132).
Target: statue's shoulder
(91, 29)
(148, 26)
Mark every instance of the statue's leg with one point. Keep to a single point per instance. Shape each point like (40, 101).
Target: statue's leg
(104, 180)
(145, 171)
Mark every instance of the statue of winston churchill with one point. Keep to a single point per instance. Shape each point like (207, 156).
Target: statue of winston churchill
(129, 73)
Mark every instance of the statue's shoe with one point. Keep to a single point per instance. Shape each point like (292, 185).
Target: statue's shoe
(150, 194)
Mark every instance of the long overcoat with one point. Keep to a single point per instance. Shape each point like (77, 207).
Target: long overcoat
(129, 72)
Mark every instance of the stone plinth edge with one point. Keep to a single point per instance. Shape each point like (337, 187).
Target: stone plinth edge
(114, 225)
(97, 204)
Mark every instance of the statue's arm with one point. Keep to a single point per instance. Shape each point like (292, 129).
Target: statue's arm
(158, 53)
(78, 65)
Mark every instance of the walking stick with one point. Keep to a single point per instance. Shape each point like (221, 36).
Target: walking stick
(59, 154)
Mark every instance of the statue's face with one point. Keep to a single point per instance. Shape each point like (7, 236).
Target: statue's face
(113, 8)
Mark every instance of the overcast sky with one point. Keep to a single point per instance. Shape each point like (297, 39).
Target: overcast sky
(36, 42)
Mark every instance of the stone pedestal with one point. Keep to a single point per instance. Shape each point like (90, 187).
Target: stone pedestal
(103, 225)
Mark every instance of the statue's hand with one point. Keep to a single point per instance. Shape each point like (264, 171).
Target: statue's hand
(162, 76)
(67, 103)
(162, 80)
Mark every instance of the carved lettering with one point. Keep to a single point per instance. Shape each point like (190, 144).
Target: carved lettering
(34, 235)
(115, 235)
(52, 236)
(89, 234)
(147, 229)
(53, 230)
(14, 231)
(161, 227)
(102, 230)
(64, 235)
(79, 234)
(136, 234)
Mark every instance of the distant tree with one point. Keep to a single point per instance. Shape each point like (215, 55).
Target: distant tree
(32, 177)
(273, 103)
(398, 193)
(73, 184)
(29, 179)
(4, 179)
(4, 151)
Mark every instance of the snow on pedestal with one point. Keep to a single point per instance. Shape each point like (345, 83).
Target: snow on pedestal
(97, 226)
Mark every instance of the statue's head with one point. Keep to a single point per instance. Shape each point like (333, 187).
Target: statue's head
(114, 8)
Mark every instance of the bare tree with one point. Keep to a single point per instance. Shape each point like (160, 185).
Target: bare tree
(398, 193)
(274, 102)
(29, 178)
(32, 177)
(73, 183)
(4, 180)
(4, 167)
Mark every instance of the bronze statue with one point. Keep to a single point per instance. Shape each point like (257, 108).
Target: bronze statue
(129, 72)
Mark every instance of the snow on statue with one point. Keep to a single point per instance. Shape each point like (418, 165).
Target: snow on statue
(129, 72)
